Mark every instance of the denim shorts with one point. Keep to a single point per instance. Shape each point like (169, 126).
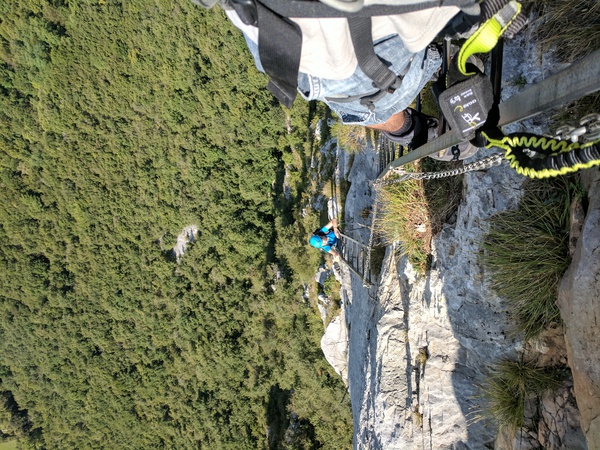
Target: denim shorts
(392, 50)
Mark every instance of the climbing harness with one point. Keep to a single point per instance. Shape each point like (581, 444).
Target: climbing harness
(468, 97)
(579, 79)
(470, 103)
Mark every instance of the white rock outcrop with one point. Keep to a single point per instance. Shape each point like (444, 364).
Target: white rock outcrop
(188, 235)
(334, 344)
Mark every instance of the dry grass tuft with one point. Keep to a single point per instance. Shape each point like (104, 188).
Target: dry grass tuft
(413, 211)
(403, 217)
(351, 138)
(570, 28)
(526, 253)
(510, 385)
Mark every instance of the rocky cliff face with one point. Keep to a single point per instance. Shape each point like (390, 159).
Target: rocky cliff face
(418, 348)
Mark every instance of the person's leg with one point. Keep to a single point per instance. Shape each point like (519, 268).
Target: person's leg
(394, 123)
(335, 255)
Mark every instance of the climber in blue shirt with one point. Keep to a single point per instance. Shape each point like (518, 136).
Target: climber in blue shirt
(326, 239)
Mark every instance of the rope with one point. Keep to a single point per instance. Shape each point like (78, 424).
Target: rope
(543, 157)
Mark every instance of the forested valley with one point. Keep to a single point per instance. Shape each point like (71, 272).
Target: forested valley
(121, 123)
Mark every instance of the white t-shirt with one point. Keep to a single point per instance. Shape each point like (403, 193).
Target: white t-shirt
(327, 50)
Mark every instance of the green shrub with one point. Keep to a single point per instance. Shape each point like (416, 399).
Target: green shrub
(331, 287)
(350, 137)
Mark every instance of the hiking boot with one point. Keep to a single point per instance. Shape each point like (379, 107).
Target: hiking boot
(420, 128)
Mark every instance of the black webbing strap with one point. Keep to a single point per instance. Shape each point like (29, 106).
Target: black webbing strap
(279, 47)
(368, 61)
(383, 78)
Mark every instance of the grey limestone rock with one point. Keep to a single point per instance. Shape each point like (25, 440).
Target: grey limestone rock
(579, 303)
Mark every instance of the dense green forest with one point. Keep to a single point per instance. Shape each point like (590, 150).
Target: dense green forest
(120, 124)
